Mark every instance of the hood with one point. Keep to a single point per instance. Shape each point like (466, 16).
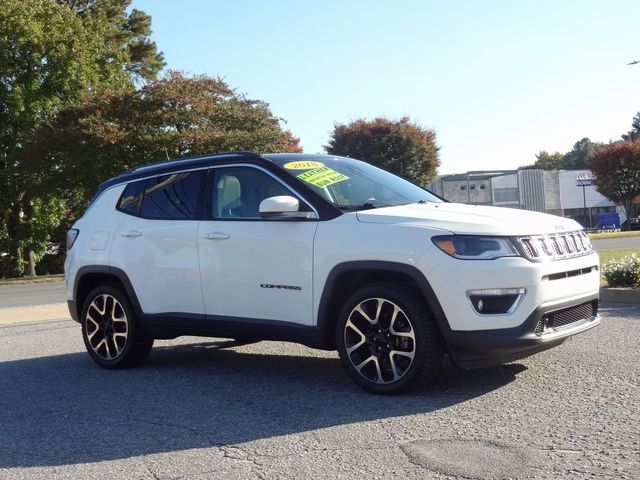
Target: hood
(461, 218)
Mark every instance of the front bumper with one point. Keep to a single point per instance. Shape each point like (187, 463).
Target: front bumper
(485, 348)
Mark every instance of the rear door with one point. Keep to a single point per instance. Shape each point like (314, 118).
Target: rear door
(156, 242)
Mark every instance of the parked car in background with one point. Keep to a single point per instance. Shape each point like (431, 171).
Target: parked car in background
(631, 224)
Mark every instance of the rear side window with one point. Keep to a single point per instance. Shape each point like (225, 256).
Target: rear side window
(131, 198)
(173, 197)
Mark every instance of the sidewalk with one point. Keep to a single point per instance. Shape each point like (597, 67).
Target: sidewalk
(52, 311)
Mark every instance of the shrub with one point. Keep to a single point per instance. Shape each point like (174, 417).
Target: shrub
(623, 272)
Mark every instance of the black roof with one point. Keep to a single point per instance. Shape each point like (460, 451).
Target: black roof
(283, 157)
(269, 161)
(169, 166)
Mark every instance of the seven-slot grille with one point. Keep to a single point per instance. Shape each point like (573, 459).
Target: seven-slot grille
(566, 317)
(556, 246)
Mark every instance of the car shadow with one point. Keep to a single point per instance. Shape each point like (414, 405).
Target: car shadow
(63, 409)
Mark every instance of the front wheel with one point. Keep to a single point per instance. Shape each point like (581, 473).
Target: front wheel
(110, 331)
(387, 340)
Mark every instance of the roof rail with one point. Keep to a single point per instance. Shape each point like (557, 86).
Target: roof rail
(193, 157)
(170, 165)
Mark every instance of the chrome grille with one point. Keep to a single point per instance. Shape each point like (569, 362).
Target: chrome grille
(572, 315)
(566, 317)
(555, 246)
(544, 244)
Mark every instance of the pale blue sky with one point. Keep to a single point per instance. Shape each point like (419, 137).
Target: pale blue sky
(497, 80)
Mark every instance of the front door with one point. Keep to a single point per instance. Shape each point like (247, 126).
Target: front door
(254, 268)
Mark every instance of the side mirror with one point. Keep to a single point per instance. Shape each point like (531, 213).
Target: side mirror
(283, 207)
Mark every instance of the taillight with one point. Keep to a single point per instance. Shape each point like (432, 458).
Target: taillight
(72, 234)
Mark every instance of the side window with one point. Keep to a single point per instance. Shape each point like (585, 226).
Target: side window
(131, 198)
(238, 191)
(172, 197)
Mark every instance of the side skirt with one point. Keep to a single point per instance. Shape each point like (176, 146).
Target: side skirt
(172, 325)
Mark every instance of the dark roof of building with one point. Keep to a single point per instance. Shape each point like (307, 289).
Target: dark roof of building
(473, 176)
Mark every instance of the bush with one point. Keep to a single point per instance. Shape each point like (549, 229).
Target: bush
(624, 272)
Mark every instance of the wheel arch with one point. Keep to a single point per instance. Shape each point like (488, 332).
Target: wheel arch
(91, 276)
(346, 277)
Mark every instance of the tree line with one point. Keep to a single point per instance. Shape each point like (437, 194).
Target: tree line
(84, 95)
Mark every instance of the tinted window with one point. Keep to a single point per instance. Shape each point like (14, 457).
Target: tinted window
(238, 191)
(172, 196)
(131, 198)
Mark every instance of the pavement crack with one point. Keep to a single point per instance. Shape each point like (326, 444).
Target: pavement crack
(589, 473)
(153, 474)
(237, 453)
(563, 450)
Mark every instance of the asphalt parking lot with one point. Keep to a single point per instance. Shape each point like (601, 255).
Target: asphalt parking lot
(198, 410)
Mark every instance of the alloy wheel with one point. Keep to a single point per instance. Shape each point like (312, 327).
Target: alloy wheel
(107, 327)
(379, 340)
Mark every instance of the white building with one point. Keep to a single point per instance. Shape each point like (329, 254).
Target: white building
(551, 191)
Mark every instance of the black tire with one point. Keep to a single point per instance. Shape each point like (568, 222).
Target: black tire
(391, 340)
(110, 329)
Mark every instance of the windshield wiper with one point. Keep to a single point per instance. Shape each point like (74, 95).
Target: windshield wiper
(355, 208)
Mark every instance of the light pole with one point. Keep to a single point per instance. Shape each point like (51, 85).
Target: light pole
(584, 180)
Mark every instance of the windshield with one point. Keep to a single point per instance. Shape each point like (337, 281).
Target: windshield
(352, 184)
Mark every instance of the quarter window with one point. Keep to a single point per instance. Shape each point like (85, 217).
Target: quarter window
(172, 197)
(131, 198)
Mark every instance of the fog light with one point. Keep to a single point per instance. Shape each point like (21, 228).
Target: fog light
(496, 301)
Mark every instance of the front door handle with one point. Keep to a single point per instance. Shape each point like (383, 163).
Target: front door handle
(217, 236)
(131, 234)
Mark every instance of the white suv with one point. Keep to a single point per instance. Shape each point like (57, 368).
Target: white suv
(329, 252)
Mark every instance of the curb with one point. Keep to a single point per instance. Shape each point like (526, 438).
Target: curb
(32, 280)
(620, 295)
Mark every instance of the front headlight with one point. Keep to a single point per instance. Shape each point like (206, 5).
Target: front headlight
(474, 247)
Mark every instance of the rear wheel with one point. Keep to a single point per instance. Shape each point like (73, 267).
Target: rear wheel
(110, 330)
(387, 340)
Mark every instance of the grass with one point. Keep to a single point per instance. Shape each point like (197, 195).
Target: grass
(607, 235)
(615, 253)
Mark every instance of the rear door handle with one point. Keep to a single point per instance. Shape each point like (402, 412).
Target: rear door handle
(217, 236)
(131, 234)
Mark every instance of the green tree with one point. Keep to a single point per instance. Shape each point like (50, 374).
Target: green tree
(617, 171)
(578, 157)
(49, 56)
(545, 161)
(127, 35)
(401, 147)
(167, 118)
(634, 133)
(575, 159)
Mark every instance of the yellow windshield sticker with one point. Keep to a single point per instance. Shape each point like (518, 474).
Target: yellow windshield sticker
(322, 177)
(303, 165)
